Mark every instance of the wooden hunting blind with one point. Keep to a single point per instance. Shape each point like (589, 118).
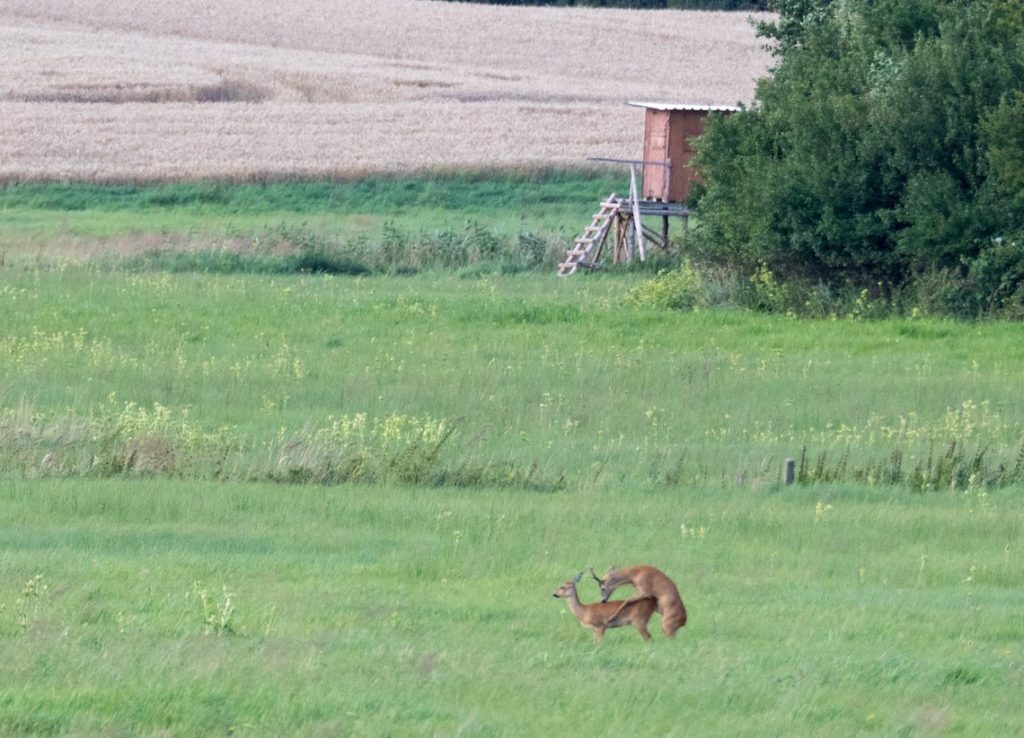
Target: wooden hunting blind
(668, 130)
(666, 175)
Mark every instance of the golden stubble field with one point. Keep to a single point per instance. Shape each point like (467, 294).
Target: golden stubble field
(252, 89)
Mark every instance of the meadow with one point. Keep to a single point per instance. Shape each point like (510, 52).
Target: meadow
(567, 384)
(253, 91)
(71, 223)
(310, 457)
(169, 607)
(316, 504)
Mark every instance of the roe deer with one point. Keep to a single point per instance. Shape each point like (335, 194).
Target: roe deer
(599, 616)
(649, 582)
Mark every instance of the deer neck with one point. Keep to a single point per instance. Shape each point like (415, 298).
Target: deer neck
(575, 606)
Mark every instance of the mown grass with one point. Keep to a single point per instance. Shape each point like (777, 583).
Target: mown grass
(162, 607)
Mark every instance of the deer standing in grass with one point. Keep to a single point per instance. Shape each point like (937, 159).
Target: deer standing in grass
(599, 616)
(648, 582)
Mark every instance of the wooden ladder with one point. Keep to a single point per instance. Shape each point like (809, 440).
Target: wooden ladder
(593, 236)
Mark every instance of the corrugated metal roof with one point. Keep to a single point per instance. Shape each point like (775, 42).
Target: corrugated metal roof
(686, 106)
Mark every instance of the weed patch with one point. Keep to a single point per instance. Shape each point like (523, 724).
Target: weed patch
(472, 251)
(135, 441)
(952, 468)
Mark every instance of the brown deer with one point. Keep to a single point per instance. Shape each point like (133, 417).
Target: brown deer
(648, 582)
(599, 616)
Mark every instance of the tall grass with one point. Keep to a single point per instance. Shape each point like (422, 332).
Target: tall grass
(385, 224)
(473, 249)
(553, 383)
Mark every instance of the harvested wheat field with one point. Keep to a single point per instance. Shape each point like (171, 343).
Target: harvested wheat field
(258, 89)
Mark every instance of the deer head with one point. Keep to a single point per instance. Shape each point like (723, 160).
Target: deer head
(569, 588)
(606, 584)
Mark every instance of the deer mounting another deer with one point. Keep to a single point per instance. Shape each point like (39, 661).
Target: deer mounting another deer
(599, 616)
(648, 582)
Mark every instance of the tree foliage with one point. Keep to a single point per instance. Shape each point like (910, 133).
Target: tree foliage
(886, 147)
(643, 4)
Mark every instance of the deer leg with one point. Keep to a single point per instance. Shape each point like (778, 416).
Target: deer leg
(598, 634)
(644, 633)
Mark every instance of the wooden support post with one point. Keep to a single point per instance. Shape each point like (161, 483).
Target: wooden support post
(790, 466)
(629, 237)
(664, 232)
(667, 170)
(634, 195)
(595, 258)
(617, 254)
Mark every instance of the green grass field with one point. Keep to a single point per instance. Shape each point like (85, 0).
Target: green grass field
(155, 607)
(299, 504)
(66, 220)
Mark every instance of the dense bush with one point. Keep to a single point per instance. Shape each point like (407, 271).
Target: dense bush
(887, 148)
(682, 288)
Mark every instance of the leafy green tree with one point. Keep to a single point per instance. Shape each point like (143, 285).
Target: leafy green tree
(886, 145)
(1003, 137)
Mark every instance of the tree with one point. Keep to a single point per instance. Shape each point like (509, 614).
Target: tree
(886, 145)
